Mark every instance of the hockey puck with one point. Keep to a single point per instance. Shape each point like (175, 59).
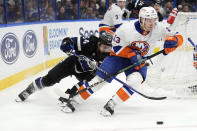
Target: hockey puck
(159, 122)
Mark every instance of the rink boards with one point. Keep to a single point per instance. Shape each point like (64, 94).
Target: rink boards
(30, 48)
(27, 49)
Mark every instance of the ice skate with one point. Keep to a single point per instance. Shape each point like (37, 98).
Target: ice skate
(62, 101)
(70, 106)
(108, 109)
(36, 85)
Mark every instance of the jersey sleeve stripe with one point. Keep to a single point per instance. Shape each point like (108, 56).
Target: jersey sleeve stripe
(116, 48)
(122, 52)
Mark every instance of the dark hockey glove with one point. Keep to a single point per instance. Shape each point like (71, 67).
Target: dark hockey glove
(87, 64)
(136, 4)
(126, 14)
(136, 58)
(67, 45)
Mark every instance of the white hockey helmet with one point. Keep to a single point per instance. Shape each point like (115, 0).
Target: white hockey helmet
(148, 12)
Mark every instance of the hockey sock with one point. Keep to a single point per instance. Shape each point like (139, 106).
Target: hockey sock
(134, 80)
(35, 85)
(38, 83)
(86, 94)
(121, 96)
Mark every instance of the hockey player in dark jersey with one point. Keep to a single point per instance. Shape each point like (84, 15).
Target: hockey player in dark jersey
(93, 48)
(135, 5)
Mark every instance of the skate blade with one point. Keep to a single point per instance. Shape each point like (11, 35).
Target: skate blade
(18, 99)
(61, 104)
(105, 113)
(66, 110)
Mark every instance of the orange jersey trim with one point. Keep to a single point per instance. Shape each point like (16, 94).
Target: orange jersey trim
(125, 52)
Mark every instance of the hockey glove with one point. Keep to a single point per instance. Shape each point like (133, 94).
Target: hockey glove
(126, 14)
(136, 4)
(136, 58)
(171, 43)
(67, 45)
(87, 64)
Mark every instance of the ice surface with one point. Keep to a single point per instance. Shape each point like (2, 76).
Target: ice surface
(41, 112)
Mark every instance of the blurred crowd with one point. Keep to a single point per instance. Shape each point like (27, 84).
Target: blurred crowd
(16, 11)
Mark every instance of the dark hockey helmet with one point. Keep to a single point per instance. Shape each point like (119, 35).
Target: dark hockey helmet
(106, 38)
(157, 2)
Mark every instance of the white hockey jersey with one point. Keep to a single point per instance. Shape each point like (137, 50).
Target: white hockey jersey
(130, 36)
(113, 16)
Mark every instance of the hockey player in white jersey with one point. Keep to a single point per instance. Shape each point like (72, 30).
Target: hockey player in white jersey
(131, 41)
(113, 17)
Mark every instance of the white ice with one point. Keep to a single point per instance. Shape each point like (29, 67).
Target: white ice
(41, 112)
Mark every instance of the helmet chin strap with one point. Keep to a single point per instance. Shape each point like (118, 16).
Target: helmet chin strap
(142, 22)
(144, 28)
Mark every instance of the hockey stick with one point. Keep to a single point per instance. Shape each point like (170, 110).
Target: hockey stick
(191, 42)
(64, 95)
(127, 87)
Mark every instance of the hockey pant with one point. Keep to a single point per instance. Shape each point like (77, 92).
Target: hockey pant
(113, 64)
(68, 67)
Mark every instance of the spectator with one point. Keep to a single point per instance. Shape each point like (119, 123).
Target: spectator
(11, 11)
(68, 9)
(51, 13)
(95, 7)
(89, 14)
(61, 15)
(87, 3)
(110, 2)
(58, 4)
(2, 16)
(75, 11)
(83, 8)
(102, 9)
(194, 8)
(30, 12)
(186, 8)
(43, 9)
(168, 8)
(19, 13)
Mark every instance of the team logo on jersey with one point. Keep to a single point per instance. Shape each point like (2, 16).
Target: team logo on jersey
(141, 46)
(9, 48)
(29, 43)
